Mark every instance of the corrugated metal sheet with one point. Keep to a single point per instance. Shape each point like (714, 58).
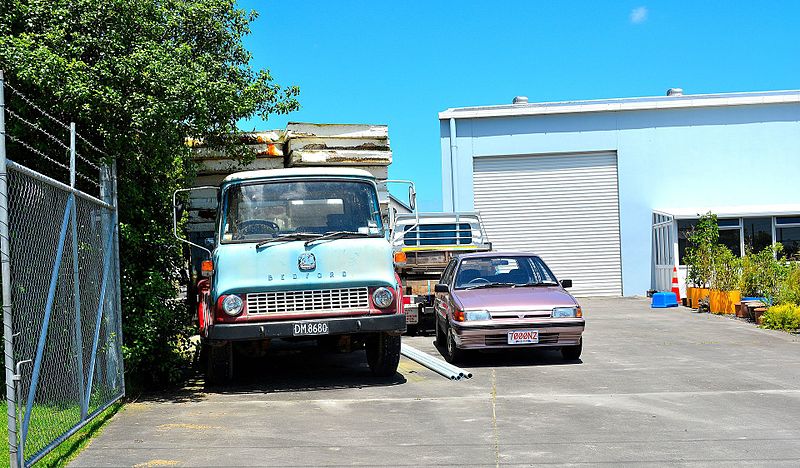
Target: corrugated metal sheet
(563, 207)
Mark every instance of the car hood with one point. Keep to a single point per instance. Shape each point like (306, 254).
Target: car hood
(340, 263)
(528, 298)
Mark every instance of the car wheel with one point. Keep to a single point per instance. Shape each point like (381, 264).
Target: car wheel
(412, 330)
(440, 338)
(219, 363)
(572, 353)
(452, 353)
(383, 354)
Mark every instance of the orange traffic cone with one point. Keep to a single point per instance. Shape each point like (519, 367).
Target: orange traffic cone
(675, 288)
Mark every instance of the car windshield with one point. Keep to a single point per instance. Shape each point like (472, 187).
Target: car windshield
(258, 211)
(503, 272)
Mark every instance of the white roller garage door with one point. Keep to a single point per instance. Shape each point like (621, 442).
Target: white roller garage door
(564, 207)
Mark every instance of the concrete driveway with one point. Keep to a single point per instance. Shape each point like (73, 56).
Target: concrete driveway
(655, 387)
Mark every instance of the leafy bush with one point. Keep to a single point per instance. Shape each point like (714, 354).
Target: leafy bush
(762, 272)
(789, 288)
(782, 317)
(726, 269)
(703, 239)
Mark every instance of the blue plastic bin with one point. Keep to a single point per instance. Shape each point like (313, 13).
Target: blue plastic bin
(662, 300)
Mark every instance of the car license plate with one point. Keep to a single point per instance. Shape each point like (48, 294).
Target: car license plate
(523, 337)
(412, 316)
(310, 328)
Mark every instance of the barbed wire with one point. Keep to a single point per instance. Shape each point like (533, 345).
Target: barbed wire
(48, 158)
(48, 134)
(30, 103)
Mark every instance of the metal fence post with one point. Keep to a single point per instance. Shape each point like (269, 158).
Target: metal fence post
(76, 272)
(5, 272)
(118, 275)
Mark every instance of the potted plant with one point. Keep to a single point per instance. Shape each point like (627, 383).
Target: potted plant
(699, 258)
(725, 280)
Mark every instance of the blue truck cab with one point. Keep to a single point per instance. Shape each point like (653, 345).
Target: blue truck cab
(299, 254)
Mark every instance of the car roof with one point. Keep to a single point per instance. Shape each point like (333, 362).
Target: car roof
(496, 253)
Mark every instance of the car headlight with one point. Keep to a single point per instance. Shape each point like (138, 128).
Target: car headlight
(232, 305)
(476, 315)
(561, 312)
(383, 297)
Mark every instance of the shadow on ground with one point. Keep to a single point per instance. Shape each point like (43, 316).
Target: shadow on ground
(289, 368)
(510, 357)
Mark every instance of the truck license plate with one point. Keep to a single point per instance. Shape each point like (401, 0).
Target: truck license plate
(412, 315)
(523, 337)
(310, 328)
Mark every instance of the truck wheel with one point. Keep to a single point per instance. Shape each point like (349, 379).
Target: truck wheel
(383, 354)
(219, 363)
(440, 338)
(452, 354)
(572, 353)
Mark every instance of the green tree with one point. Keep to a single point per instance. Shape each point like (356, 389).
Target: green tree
(138, 76)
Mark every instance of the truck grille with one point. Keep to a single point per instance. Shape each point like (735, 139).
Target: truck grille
(308, 302)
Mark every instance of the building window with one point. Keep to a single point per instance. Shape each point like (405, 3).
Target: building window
(757, 233)
(730, 235)
(787, 232)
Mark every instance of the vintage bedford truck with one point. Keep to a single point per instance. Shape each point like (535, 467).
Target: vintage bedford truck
(298, 254)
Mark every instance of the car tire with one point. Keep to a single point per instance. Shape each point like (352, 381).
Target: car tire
(572, 353)
(383, 354)
(440, 337)
(451, 352)
(412, 330)
(219, 363)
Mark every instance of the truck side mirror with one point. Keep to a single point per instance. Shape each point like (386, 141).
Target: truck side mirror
(567, 283)
(412, 198)
(441, 288)
(177, 206)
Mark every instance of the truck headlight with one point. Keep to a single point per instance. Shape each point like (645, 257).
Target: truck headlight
(383, 298)
(566, 312)
(232, 305)
(470, 315)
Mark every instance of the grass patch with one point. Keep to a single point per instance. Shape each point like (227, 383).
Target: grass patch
(58, 421)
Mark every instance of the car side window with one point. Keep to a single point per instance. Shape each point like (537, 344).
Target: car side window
(447, 276)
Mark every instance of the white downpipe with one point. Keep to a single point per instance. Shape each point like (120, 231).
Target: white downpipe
(453, 165)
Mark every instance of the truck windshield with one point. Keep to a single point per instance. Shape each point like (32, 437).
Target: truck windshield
(264, 210)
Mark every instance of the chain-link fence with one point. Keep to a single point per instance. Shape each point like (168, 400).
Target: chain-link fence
(61, 309)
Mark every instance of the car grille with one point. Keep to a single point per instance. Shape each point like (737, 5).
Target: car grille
(308, 302)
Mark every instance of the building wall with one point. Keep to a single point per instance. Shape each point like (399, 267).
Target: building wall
(667, 158)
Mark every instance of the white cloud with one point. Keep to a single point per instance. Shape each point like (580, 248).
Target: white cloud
(639, 15)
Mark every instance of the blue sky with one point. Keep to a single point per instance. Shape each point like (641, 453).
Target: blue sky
(400, 63)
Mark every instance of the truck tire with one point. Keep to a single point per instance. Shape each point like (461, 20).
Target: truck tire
(572, 353)
(219, 363)
(383, 354)
(451, 352)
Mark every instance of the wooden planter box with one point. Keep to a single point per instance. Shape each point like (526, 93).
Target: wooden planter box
(724, 302)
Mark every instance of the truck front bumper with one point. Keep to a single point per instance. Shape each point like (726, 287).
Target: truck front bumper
(394, 323)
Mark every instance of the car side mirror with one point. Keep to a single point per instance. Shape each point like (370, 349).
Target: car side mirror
(441, 288)
(566, 283)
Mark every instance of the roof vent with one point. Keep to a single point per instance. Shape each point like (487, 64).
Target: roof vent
(675, 92)
(520, 100)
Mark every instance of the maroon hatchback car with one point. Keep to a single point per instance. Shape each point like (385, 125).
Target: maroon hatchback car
(505, 300)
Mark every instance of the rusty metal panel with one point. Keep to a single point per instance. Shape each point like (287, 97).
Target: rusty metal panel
(228, 166)
(368, 144)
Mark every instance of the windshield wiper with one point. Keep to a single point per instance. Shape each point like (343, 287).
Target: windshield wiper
(341, 235)
(492, 285)
(539, 283)
(288, 237)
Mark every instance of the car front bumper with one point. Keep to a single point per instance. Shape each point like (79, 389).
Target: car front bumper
(560, 333)
(393, 323)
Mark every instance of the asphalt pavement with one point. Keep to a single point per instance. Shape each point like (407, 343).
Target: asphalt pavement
(655, 387)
